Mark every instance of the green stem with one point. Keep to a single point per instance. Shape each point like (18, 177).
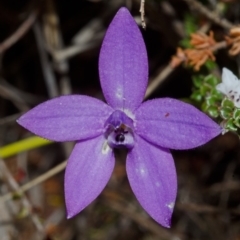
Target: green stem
(22, 146)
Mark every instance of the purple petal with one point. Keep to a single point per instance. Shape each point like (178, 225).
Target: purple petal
(123, 64)
(174, 124)
(118, 118)
(89, 168)
(67, 118)
(152, 176)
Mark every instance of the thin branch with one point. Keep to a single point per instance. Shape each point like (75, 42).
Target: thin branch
(14, 185)
(19, 95)
(229, 185)
(10, 119)
(54, 40)
(219, 45)
(140, 219)
(224, 196)
(88, 37)
(71, 51)
(207, 209)
(46, 67)
(214, 17)
(12, 94)
(124, 208)
(19, 32)
(158, 80)
(142, 11)
(177, 25)
(34, 182)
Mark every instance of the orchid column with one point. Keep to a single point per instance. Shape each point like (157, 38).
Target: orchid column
(147, 130)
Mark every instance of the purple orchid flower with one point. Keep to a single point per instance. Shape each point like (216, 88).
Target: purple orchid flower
(148, 130)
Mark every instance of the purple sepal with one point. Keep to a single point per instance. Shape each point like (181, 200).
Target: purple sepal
(123, 64)
(67, 118)
(173, 124)
(152, 176)
(117, 118)
(89, 168)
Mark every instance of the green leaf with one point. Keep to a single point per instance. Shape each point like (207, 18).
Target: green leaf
(236, 113)
(217, 94)
(237, 121)
(227, 103)
(226, 112)
(190, 25)
(204, 89)
(197, 81)
(185, 43)
(211, 80)
(196, 96)
(211, 100)
(204, 107)
(213, 111)
(210, 65)
(230, 125)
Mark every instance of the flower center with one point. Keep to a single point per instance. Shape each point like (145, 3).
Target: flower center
(119, 133)
(120, 137)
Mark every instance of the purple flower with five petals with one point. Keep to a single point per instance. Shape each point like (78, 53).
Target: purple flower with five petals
(148, 130)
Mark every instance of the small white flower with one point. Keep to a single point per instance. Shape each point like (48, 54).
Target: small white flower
(230, 87)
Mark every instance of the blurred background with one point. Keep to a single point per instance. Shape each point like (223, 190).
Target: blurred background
(50, 48)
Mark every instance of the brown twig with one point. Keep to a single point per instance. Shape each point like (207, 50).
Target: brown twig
(233, 39)
(19, 33)
(10, 119)
(224, 186)
(214, 17)
(201, 208)
(35, 181)
(124, 208)
(142, 11)
(48, 73)
(170, 68)
(14, 185)
(12, 95)
(73, 50)
(54, 40)
(224, 196)
(140, 219)
(88, 37)
(16, 94)
(176, 23)
(154, 83)
(196, 57)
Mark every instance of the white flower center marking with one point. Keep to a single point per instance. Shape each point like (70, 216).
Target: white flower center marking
(170, 205)
(143, 171)
(128, 113)
(105, 148)
(119, 94)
